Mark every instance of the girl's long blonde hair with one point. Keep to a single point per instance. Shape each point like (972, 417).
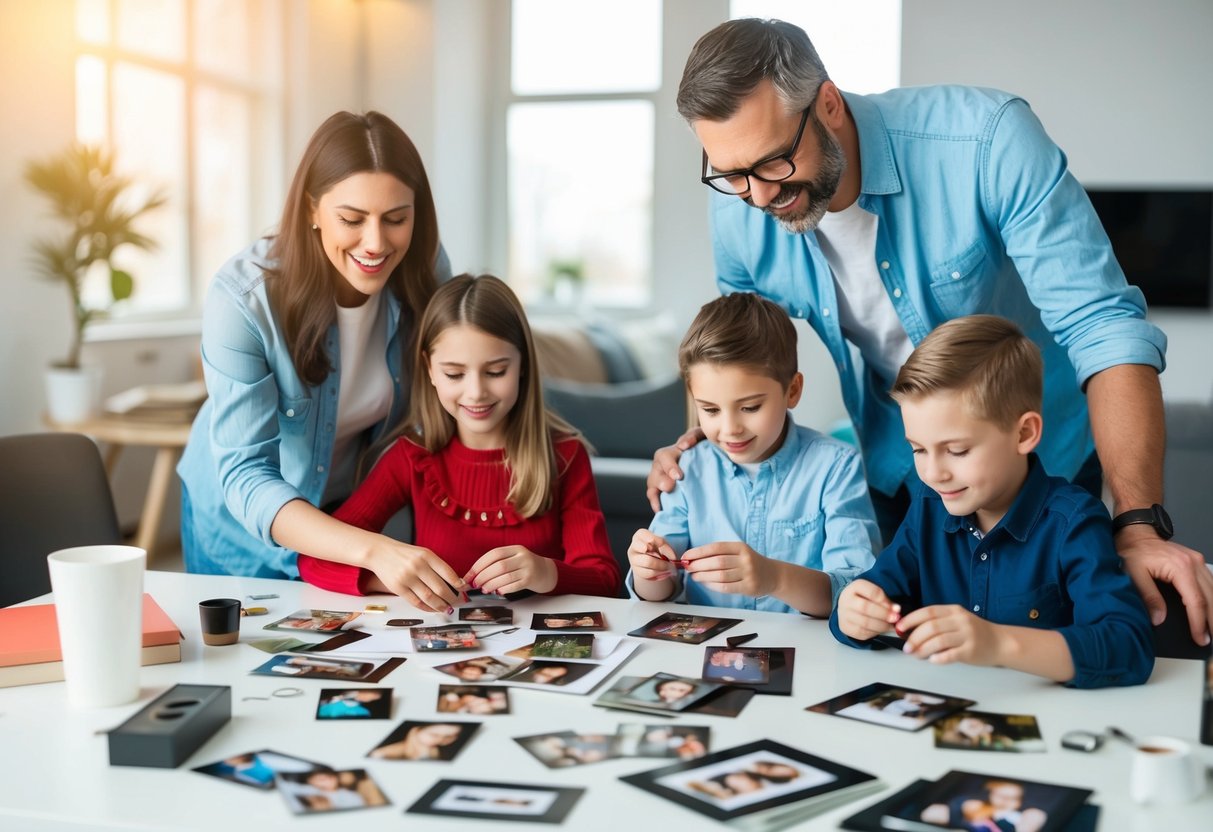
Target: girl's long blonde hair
(488, 304)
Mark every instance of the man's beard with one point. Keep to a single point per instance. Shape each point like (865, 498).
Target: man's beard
(819, 191)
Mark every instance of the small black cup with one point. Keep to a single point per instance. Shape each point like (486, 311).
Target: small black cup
(220, 621)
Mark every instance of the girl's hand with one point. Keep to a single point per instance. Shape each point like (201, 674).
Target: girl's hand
(865, 611)
(651, 557)
(417, 575)
(509, 569)
(948, 633)
(732, 567)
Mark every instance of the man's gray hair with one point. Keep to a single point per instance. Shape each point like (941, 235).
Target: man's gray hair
(729, 62)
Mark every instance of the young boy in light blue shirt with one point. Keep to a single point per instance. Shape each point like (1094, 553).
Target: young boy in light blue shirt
(768, 516)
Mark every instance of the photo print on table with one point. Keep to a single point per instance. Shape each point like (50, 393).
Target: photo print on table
(487, 615)
(982, 731)
(687, 629)
(568, 621)
(906, 709)
(681, 742)
(355, 703)
(477, 669)
(548, 672)
(667, 692)
(737, 665)
(967, 800)
(726, 700)
(754, 779)
(413, 740)
(497, 801)
(316, 621)
(564, 646)
(330, 791)
(564, 749)
(257, 768)
(473, 699)
(315, 667)
(444, 637)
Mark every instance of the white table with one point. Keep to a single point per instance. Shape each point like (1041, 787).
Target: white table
(54, 772)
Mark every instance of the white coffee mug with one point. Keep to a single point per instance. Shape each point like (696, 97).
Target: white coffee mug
(99, 608)
(1165, 770)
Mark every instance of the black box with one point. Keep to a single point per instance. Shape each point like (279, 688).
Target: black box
(171, 727)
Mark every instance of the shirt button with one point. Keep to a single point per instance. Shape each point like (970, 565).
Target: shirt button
(329, 427)
(1033, 614)
(825, 313)
(956, 275)
(984, 556)
(484, 516)
(290, 413)
(897, 293)
(977, 608)
(319, 469)
(884, 264)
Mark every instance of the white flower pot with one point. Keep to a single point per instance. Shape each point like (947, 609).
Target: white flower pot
(73, 396)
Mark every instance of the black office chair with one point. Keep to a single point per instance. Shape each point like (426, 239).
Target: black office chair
(54, 494)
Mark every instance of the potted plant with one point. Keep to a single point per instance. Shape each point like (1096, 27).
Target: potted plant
(95, 202)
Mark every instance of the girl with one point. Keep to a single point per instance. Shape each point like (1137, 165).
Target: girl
(501, 490)
(304, 338)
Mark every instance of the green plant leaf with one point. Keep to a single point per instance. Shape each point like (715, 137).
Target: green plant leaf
(121, 284)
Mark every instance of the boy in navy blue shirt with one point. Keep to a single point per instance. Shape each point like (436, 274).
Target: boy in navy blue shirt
(996, 563)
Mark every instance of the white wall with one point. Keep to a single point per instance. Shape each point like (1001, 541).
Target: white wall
(1122, 86)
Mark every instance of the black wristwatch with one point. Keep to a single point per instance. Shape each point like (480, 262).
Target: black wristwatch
(1155, 516)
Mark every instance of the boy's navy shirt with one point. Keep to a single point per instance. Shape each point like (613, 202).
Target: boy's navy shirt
(1050, 563)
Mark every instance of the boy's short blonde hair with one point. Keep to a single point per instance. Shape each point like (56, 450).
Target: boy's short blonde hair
(986, 358)
(741, 329)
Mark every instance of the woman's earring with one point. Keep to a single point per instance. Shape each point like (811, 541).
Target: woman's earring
(315, 227)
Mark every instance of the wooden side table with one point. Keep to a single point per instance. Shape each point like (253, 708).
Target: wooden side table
(168, 438)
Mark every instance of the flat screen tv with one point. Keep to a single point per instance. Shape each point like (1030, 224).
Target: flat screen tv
(1163, 240)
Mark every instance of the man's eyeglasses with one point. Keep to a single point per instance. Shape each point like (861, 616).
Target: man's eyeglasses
(772, 169)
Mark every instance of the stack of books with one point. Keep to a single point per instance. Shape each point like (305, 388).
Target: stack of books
(169, 403)
(29, 642)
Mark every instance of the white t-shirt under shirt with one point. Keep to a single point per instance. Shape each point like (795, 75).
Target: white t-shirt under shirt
(865, 312)
(365, 392)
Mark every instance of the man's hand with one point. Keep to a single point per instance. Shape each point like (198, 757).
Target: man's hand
(1148, 557)
(417, 575)
(665, 471)
(732, 567)
(864, 611)
(508, 569)
(947, 633)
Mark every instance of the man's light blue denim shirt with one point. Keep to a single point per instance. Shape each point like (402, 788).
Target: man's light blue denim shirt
(978, 213)
(807, 505)
(264, 437)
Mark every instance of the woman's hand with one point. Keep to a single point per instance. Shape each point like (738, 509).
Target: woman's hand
(665, 471)
(415, 574)
(508, 569)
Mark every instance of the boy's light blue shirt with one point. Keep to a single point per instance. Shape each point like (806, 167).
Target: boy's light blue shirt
(264, 437)
(978, 213)
(807, 505)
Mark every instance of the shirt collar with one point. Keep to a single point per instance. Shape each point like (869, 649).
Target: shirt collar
(1024, 511)
(875, 149)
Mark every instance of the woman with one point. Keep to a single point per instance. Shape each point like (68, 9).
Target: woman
(305, 342)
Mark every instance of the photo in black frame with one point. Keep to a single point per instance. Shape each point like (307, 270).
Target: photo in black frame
(497, 801)
(1206, 719)
(959, 798)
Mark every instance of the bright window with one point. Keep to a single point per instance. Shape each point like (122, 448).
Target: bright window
(187, 93)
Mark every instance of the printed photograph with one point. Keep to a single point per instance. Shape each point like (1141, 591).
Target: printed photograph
(672, 693)
(902, 708)
(497, 801)
(355, 703)
(544, 672)
(487, 615)
(982, 731)
(749, 779)
(449, 637)
(473, 699)
(478, 669)
(523, 652)
(568, 621)
(688, 629)
(980, 802)
(743, 665)
(330, 791)
(317, 621)
(564, 749)
(425, 741)
(314, 667)
(257, 768)
(681, 742)
(564, 646)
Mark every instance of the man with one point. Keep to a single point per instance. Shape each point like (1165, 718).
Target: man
(879, 217)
